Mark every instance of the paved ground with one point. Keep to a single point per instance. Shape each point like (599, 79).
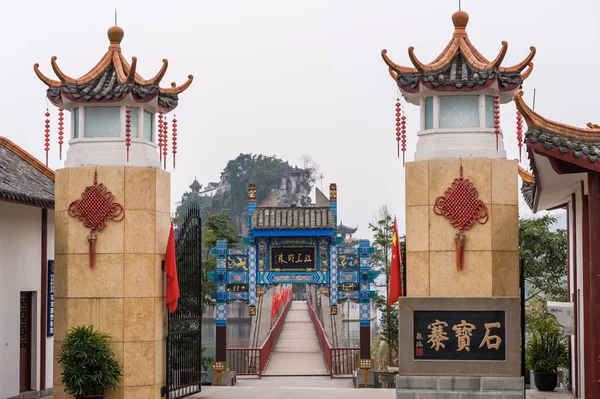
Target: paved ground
(297, 350)
(318, 388)
(294, 388)
(558, 394)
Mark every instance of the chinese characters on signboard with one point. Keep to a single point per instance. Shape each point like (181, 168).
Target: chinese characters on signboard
(50, 312)
(459, 335)
(293, 258)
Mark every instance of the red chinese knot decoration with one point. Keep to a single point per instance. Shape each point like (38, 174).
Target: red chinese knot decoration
(462, 207)
(95, 207)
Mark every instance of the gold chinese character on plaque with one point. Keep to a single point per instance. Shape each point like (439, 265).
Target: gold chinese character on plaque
(464, 331)
(438, 335)
(487, 340)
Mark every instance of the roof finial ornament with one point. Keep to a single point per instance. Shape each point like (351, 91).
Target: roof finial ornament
(533, 106)
(116, 16)
(459, 9)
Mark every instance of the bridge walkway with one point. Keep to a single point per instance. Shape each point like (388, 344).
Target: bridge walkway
(297, 351)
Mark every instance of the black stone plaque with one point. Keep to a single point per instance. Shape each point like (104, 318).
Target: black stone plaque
(297, 258)
(459, 335)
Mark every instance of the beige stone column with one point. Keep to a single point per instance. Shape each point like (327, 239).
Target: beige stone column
(491, 264)
(123, 295)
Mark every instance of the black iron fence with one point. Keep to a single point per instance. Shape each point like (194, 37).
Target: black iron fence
(184, 343)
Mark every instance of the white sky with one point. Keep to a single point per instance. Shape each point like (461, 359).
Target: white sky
(290, 78)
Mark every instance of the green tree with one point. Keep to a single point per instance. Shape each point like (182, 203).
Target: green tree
(264, 171)
(383, 231)
(544, 255)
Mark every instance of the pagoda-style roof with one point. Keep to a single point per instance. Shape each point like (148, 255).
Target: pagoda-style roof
(343, 229)
(528, 187)
(112, 80)
(292, 218)
(460, 66)
(24, 179)
(578, 146)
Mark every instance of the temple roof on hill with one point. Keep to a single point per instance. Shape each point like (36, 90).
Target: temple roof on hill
(580, 146)
(301, 218)
(112, 79)
(343, 229)
(460, 66)
(24, 179)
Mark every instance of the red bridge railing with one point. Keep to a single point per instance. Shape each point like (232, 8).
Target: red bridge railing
(340, 361)
(253, 361)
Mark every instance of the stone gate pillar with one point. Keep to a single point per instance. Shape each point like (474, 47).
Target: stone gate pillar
(459, 323)
(123, 294)
(113, 213)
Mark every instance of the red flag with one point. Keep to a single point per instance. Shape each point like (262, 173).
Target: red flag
(395, 275)
(171, 272)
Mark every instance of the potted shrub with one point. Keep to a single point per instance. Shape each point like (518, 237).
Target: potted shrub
(89, 366)
(546, 352)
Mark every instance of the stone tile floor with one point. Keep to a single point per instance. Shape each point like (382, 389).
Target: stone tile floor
(318, 388)
(558, 394)
(294, 388)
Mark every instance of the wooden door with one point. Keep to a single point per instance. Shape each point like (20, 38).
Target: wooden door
(25, 343)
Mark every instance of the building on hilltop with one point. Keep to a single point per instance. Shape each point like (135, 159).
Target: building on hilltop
(26, 272)
(346, 233)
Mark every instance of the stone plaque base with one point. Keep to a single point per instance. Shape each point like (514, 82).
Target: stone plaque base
(429, 331)
(433, 387)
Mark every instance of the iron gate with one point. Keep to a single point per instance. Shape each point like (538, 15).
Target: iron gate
(184, 340)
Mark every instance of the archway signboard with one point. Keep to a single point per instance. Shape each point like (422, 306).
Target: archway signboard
(292, 245)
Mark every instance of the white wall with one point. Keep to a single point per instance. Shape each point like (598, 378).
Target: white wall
(20, 259)
(49, 340)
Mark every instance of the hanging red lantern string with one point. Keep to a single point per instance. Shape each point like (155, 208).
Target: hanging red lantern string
(403, 137)
(398, 129)
(519, 132)
(47, 135)
(497, 118)
(174, 143)
(165, 141)
(128, 130)
(160, 134)
(60, 131)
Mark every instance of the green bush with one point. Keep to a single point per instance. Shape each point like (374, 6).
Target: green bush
(546, 350)
(89, 366)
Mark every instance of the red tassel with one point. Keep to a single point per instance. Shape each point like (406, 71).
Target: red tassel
(519, 132)
(160, 134)
(174, 144)
(127, 130)
(47, 135)
(165, 142)
(403, 138)
(398, 129)
(60, 131)
(497, 118)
